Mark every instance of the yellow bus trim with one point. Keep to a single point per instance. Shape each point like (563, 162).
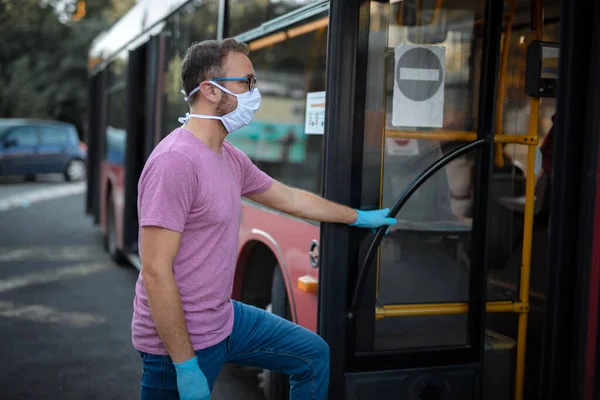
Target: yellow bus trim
(464, 136)
(405, 310)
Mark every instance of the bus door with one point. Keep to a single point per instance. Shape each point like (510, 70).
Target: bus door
(411, 302)
(142, 91)
(95, 141)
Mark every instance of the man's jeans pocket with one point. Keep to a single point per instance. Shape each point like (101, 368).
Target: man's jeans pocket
(159, 379)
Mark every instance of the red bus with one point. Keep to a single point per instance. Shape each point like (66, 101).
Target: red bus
(464, 117)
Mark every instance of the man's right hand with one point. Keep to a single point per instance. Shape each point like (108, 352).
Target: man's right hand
(191, 382)
(373, 219)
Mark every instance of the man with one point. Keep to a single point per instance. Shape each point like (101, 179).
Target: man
(184, 324)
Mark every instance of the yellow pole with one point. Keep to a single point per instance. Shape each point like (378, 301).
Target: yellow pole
(528, 225)
(450, 136)
(403, 310)
(526, 257)
(436, 11)
(498, 153)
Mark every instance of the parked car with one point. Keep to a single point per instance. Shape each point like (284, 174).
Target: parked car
(29, 147)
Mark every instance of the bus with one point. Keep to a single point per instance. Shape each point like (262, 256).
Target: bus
(475, 122)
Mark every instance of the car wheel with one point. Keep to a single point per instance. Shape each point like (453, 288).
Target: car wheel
(110, 239)
(75, 170)
(275, 385)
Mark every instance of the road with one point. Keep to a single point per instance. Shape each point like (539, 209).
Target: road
(65, 308)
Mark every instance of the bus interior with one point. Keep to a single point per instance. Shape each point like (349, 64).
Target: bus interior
(423, 265)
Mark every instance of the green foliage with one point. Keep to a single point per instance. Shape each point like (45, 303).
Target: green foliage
(43, 58)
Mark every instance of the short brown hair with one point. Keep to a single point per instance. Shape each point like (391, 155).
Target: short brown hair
(204, 61)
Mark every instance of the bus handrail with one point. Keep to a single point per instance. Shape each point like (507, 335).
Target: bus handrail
(460, 136)
(398, 204)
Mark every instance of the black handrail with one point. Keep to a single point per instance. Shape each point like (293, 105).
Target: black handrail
(398, 204)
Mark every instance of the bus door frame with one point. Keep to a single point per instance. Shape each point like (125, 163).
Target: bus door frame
(342, 177)
(571, 355)
(95, 140)
(137, 97)
(142, 92)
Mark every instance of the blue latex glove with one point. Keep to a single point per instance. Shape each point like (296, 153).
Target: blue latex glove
(373, 219)
(191, 382)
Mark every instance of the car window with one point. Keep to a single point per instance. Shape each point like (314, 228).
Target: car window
(5, 128)
(73, 134)
(23, 136)
(54, 136)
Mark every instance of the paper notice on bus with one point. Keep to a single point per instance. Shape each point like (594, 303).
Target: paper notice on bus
(314, 123)
(419, 78)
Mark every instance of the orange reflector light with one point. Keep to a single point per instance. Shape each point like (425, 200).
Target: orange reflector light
(308, 284)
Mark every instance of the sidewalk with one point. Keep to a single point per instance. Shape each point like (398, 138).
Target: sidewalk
(24, 194)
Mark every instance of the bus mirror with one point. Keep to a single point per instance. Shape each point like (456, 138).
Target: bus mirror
(542, 69)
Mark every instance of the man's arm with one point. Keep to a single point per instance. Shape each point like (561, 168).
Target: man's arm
(303, 204)
(159, 247)
(259, 187)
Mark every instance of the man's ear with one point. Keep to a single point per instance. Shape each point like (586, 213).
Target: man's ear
(209, 92)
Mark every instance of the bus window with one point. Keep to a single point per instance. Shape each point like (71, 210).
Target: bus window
(276, 140)
(418, 109)
(247, 14)
(116, 134)
(507, 210)
(424, 258)
(516, 102)
(190, 24)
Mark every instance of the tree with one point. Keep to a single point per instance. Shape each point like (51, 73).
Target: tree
(43, 57)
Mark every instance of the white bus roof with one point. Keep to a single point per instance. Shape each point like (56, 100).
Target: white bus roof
(134, 28)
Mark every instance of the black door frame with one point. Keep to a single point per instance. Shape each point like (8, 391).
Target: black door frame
(342, 173)
(570, 352)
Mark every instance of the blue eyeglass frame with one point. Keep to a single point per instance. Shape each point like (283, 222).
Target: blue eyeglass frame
(251, 81)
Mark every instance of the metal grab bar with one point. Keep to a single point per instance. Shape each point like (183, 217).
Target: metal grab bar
(398, 204)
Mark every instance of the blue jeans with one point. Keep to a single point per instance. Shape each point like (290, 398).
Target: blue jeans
(259, 339)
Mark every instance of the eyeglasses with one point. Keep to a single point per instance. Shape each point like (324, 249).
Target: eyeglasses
(250, 81)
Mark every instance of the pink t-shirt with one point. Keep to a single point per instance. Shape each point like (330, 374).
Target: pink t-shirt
(188, 188)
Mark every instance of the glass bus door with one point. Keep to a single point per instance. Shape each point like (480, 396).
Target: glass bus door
(414, 300)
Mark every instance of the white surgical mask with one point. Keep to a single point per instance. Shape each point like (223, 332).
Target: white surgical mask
(248, 104)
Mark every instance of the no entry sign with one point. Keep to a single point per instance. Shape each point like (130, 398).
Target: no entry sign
(419, 86)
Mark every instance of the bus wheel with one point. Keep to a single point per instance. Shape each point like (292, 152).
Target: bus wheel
(276, 385)
(110, 239)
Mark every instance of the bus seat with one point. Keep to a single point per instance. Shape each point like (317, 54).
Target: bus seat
(429, 209)
(517, 204)
(435, 226)
(504, 233)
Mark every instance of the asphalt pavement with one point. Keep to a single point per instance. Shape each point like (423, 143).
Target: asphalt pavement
(65, 308)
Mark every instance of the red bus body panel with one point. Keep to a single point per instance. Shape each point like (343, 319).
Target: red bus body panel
(112, 176)
(289, 240)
